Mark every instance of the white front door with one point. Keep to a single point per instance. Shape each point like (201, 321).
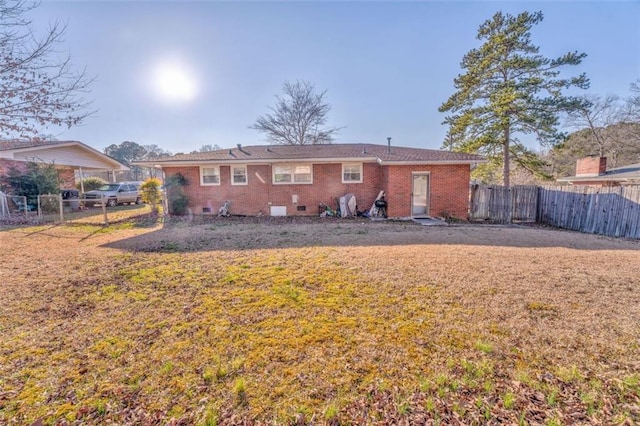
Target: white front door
(420, 194)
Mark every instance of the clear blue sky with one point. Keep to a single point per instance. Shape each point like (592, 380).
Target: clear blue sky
(386, 66)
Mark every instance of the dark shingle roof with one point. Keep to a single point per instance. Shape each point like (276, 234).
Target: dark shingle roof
(7, 145)
(358, 151)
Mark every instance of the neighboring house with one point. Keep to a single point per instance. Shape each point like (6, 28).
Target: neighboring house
(592, 171)
(67, 156)
(296, 179)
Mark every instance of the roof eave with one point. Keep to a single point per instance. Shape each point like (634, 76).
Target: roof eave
(196, 163)
(598, 179)
(263, 161)
(428, 162)
(116, 165)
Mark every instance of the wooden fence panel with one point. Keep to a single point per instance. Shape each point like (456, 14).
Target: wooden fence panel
(491, 202)
(612, 211)
(524, 203)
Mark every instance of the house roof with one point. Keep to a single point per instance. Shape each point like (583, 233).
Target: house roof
(62, 153)
(319, 153)
(630, 173)
(15, 144)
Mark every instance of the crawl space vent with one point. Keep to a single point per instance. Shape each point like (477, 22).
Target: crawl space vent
(278, 210)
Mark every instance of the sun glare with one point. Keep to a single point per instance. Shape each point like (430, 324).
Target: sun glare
(174, 82)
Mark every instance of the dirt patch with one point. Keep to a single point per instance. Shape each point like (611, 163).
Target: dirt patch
(263, 320)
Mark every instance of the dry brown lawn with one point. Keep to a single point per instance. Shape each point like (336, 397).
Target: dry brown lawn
(243, 321)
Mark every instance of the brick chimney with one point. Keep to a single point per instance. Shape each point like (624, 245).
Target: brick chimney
(591, 166)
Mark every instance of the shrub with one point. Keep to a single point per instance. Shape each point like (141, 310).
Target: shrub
(178, 204)
(90, 183)
(178, 200)
(36, 179)
(150, 192)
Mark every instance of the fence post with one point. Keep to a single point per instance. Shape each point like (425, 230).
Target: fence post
(510, 203)
(472, 190)
(104, 209)
(26, 208)
(60, 203)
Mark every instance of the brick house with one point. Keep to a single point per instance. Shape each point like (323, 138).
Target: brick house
(295, 179)
(592, 171)
(68, 157)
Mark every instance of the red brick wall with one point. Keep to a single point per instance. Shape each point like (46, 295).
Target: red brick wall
(449, 190)
(254, 198)
(67, 178)
(5, 165)
(591, 166)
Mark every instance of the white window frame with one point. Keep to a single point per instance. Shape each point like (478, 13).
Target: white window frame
(292, 167)
(352, 164)
(233, 176)
(202, 175)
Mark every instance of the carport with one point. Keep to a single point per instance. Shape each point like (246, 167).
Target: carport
(67, 156)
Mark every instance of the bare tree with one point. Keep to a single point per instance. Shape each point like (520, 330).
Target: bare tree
(632, 111)
(298, 118)
(604, 126)
(633, 102)
(595, 115)
(207, 148)
(37, 86)
(153, 151)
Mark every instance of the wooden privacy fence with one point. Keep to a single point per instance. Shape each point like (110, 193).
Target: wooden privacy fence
(490, 202)
(612, 211)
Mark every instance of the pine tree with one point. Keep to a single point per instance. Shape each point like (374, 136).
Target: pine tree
(508, 88)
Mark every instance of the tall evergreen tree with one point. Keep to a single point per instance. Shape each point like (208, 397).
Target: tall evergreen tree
(509, 88)
(128, 152)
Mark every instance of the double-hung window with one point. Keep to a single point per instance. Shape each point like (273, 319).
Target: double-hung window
(352, 173)
(292, 173)
(209, 175)
(238, 175)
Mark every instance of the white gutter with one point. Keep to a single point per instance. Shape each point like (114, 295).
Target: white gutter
(194, 163)
(428, 163)
(266, 162)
